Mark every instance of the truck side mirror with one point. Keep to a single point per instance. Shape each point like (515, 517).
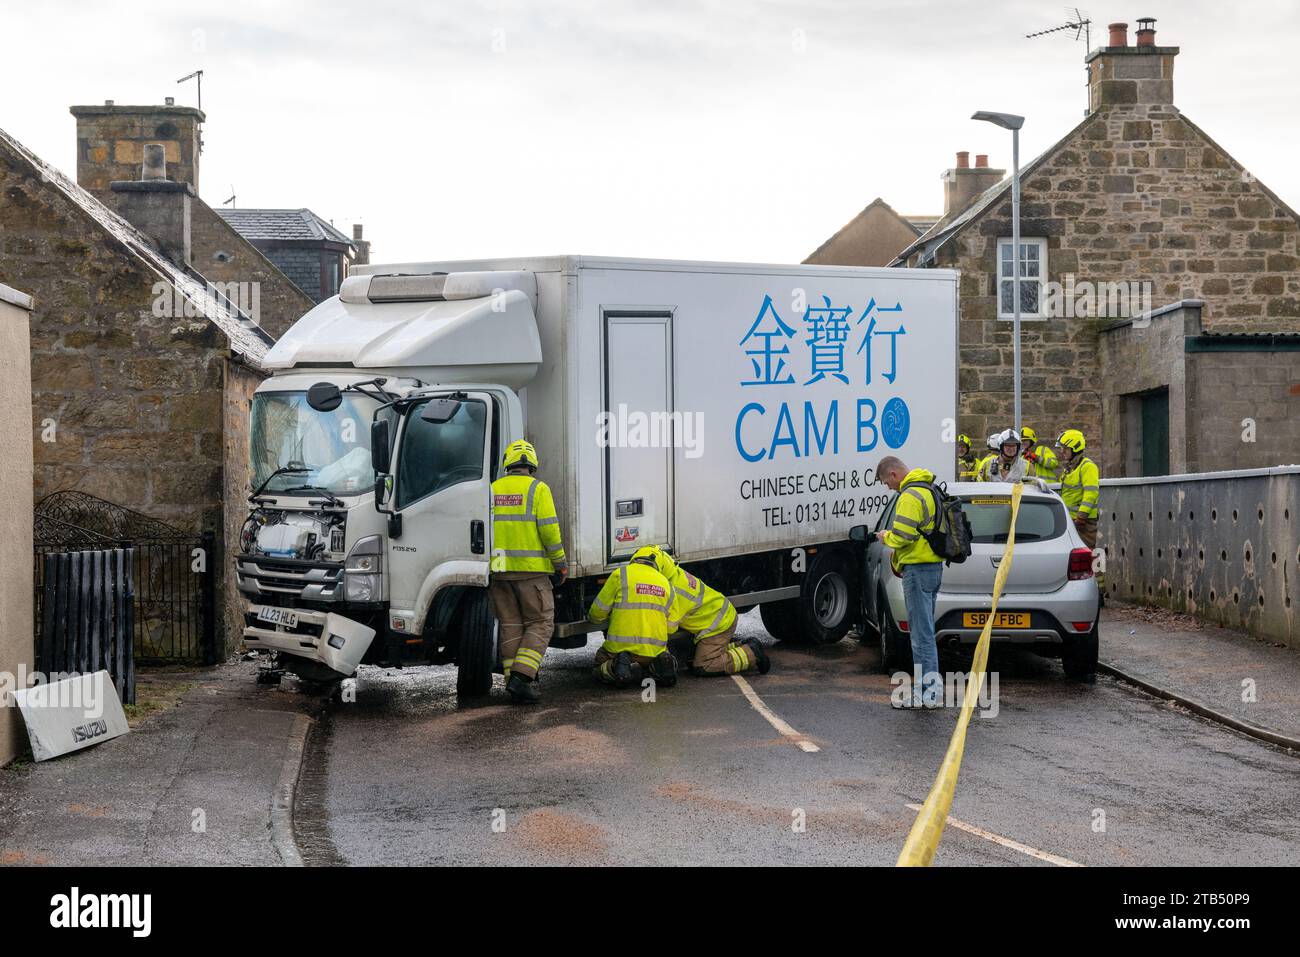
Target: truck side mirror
(324, 397)
(858, 533)
(380, 454)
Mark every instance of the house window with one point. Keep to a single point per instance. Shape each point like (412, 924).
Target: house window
(1033, 273)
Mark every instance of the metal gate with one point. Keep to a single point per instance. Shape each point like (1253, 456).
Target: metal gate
(173, 573)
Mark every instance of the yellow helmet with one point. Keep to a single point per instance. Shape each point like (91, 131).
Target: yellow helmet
(1030, 434)
(1073, 440)
(517, 452)
(964, 438)
(651, 555)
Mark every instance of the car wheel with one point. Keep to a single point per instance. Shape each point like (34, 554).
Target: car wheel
(895, 647)
(476, 648)
(1079, 658)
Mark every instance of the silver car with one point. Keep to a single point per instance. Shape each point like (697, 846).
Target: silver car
(1050, 601)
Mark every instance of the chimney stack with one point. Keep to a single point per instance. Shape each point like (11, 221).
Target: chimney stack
(962, 183)
(1131, 77)
(111, 141)
(362, 246)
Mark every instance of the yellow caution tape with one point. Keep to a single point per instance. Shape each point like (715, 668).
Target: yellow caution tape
(923, 841)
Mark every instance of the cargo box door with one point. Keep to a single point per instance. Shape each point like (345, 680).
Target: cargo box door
(638, 431)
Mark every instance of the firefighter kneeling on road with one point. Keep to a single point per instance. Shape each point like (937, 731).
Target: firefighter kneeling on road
(633, 605)
(526, 551)
(710, 619)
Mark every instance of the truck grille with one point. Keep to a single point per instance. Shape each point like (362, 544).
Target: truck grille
(268, 578)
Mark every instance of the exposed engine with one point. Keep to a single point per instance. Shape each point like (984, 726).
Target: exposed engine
(275, 533)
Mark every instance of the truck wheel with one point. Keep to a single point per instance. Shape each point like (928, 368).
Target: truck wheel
(1080, 658)
(476, 645)
(827, 608)
(895, 647)
(781, 619)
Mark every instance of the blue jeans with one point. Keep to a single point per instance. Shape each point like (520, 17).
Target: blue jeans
(920, 587)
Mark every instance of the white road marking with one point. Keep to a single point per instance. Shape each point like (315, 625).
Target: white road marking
(773, 719)
(1007, 842)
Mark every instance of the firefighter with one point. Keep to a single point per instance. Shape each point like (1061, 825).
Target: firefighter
(710, 619)
(990, 453)
(967, 463)
(633, 605)
(1007, 465)
(526, 551)
(1080, 484)
(1042, 460)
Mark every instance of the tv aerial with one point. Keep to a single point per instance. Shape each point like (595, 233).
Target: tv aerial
(1080, 23)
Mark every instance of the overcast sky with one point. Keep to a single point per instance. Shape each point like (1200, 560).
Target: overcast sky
(722, 129)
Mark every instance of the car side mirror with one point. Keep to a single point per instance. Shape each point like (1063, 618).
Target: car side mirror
(380, 454)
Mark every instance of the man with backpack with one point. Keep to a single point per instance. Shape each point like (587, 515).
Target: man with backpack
(921, 568)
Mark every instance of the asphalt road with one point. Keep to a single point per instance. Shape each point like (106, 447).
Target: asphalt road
(1094, 775)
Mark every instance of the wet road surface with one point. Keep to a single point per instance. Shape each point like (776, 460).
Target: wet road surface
(1094, 775)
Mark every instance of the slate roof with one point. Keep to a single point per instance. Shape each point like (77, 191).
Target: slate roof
(283, 225)
(247, 339)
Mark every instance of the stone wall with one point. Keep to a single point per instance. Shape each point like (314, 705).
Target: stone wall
(1135, 193)
(16, 503)
(224, 256)
(126, 405)
(241, 382)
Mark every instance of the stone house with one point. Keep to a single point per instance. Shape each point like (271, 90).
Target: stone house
(141, 374)
(874, 237)
(1134, 209)
(306, 248)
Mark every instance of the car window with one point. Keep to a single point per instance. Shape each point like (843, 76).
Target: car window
(990, 519)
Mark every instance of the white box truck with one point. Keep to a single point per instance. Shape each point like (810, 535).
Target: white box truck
(732, 413)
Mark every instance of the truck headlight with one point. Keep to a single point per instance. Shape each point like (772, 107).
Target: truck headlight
(363, 571)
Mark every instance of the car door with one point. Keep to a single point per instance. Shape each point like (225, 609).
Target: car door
(877, 563)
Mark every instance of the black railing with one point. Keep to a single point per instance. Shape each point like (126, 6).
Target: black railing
(173, 573)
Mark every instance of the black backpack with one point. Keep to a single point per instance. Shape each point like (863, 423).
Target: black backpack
(950, 536)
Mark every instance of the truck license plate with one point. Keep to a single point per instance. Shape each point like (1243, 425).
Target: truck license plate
(278, 616)
(1005, 619)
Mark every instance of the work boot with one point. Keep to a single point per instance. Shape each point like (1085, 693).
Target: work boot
(760, 655)
(523, 690)
(626, 671)
(663, 668)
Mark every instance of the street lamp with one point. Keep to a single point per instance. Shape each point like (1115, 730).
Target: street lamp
(1009, 121)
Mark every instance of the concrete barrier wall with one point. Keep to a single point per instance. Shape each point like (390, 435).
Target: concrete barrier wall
(15, 504)
(1224, 546)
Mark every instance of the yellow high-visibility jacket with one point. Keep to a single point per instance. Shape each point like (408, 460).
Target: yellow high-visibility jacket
(1081, 488)
(1045, 465)
(968, 469)
(635, 600)
(525, 528)
(914, 514)
(697, 608)
(982, 465)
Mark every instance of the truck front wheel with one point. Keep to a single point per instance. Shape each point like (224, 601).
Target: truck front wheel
(476, 645)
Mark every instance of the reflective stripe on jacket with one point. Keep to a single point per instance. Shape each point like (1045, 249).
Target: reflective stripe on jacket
(1081, 488)
(991, 471)
(699, 609)
(635, 600)
(913, 515)
(968, 469)
(525, 528)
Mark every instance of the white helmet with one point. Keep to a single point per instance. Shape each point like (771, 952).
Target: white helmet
(1008, 436)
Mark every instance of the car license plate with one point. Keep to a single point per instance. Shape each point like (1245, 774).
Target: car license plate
(1005, 619)
(278, 616)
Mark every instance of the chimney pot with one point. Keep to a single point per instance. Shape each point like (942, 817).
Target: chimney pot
(169, 101)
(981, 160)
(1118, 35)
(155, 163)
(1146, 32)
(963, 160)
(108, 102)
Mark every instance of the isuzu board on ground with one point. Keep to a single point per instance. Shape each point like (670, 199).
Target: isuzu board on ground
(732, 413)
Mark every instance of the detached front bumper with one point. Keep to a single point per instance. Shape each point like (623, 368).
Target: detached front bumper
(336, 642)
